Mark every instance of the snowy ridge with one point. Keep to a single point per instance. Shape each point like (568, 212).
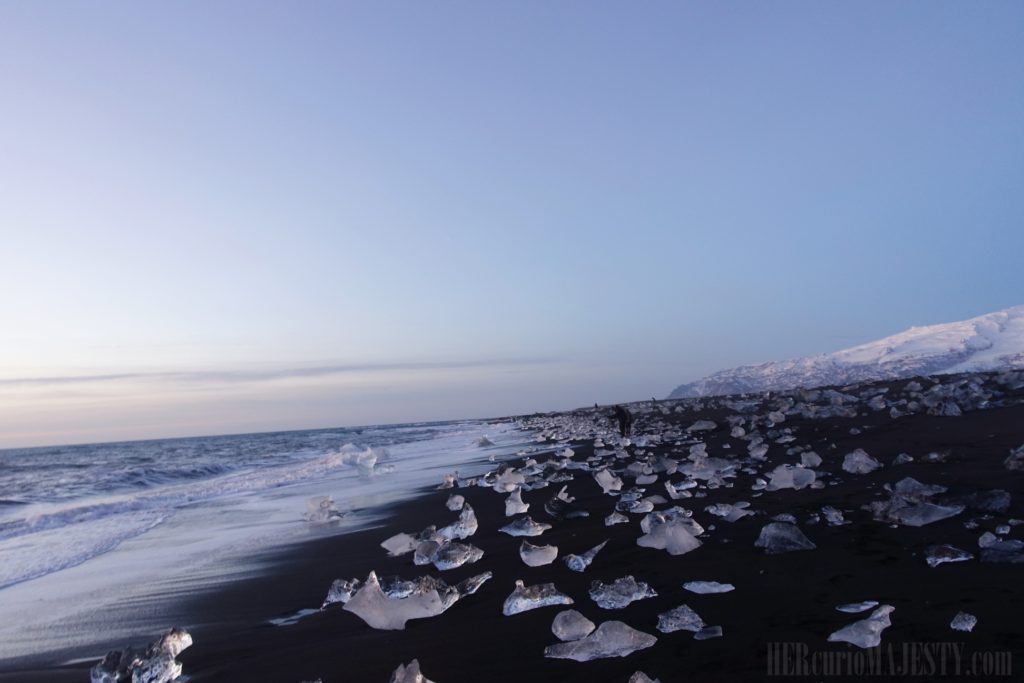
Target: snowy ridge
(994, 341)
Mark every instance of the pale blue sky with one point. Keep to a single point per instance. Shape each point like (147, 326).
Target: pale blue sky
(482, 208)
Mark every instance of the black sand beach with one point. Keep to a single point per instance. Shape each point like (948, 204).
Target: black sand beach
(788, 597)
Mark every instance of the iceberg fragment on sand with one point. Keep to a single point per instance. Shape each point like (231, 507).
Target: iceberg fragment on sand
(866, 632)
(611, 639)
(935, 555)
(525, 526)
(681, 618)
(963, 622)
(409, 673)
(859, 462)
(156, 664)
(400, 544)
(579, 563)
(514, 504)
(857, 607)
(673, 537)
(706, 587)
(454, 555)
(641, 677)
(341, 590)
(708, 632)
(790, 477)
(616, 518)
(464, 527)
(619, 593)
(571, 625)
(782, 537)
(320, 509)
(525, 598)
(454, 503)
(379, 611)
(607, 481)
(537, 555)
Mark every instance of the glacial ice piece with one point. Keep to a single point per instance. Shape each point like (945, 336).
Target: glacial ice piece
(400, 544)
(902, 459)
(913, 490)
(611, 639)
(810, 459)
(1015, 461)
(409, 673)
(672, 515)
(571, 625)
(508, 481)
(454, 503)
(525, 526)
(341, 591)
(616, 518)
(857, 607)
(560, 506)
(464, 527)
(681, 618)
(382, 612)
(935, 555)
(483, 442)
(448, 481)
(708, 632)
(645, 479)
(706, 587)
(579, 563)
(1009, 551)
(674, 537)
(537, 555)
(634, 506)
(641, 677)
(833, 516)
(963, 622)
(702, 426)
(859, 462)
(426, 551)
(675, 492)
(866, 632)
(619, 593)
(607, 481)
(156, 664)
(514, 504)
(472, 584)
(729, 513)
(790, 477)
(454, 555)
(320, 509)
(923, 513)
(525, 598)
(782, 537)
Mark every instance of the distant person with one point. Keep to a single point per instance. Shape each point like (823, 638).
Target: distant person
(625, 419)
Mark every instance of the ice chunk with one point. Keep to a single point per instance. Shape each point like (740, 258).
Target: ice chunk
(729, 513)
(620, 592)
(472, 584)
(155, 664)
(525, 526)
(560, 506)
(674, 537)
(789, 477)
(483, 442)
(341, 591)
(537, 555)
(426, 551)
(509, 481)
(1011, 551)
(641, 677)
(708, 632)
(607, 481)
(400, 544)
(453, 555)
(702, 426)
(859, 462)
(833, 516)
(923, 513)
(705, 587)
(810, 459)
(455, 503)
(571, 625)
(448, 481)
(320, 509)
(782, 537)
(963, 622)
(409, 673)
(681, 618)
(382, 612)
(464, 527)
(937, 554)
(611, 639)
(616, 518)
(857, 607)
(514, 504)
(525, 598)
(579, 563)
(674, 514)
(866, 632)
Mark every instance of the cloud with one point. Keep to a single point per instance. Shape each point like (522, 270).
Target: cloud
(244, 376)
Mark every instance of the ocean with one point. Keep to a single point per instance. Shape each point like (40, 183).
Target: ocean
(115, 529)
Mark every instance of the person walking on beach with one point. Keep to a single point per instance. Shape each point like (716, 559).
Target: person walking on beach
(625, 419)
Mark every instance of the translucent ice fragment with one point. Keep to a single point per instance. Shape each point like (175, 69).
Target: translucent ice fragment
(571, 625)
(810, 459)
(341, 591)
(155, 664)
(611, 639)
(634, 506)
(866, 632)
(619, 593)
(782, 537)
(963, 622)
(641, 677)
(400, 544)
(859, 462)
(483, 442)
(579, 563)
(455, 503)
(382, 612)
(525, 598)
(674, 537)
(320, 509)
(607, 481)
(857, 607)
(789, 477)
(935, 555)
(833, 516)
(729, 513)
(408, 673)
(514, 504)
(708, 632)
(464, 527)
(453, 555)
(705, 587)
(537, 555)
(924, 513)
(681, 618)
(525, 526)
(509, 481)
(616, 518)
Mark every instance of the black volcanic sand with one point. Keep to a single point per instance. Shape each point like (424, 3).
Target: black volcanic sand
(789, 597)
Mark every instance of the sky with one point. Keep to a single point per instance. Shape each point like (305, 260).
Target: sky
(223, 217)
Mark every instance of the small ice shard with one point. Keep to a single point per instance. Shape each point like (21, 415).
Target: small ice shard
(810, 459)
(789, 477)
(924, 513)
(634, 506)
(677, 492)
(641, 677)
(425, 552)
(525, 598)
(525, 526)
(455, 503)
(859, 462)
(454, 555)
(607, 481)
(963, 622)
(672, 515)
(409, 673)
(782, 537)
(857, 607)
(935, 555)
(400, 544)
(777, 416)
(681, 618)
(156, 664)
(483, 442)
(560, 506)
(472, 584)
(341, 591)
(833, 516)
(729, 513)
(673, 537)
(579, 563)
(645, 479)
(620, 592)
(464, 527)
(866, 632)
(615, 518)
(571, 625)
(708, 632)
(448, 481)
(514, 504)
(382, 612)
(702, 426)
(902, 459)
(508, 481)
(537, 555)
(565, 453)
(705, 587)
(611, 639)
(320, 509)
(1010, 551)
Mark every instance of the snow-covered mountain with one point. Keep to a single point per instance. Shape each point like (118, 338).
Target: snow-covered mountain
(989, 342)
